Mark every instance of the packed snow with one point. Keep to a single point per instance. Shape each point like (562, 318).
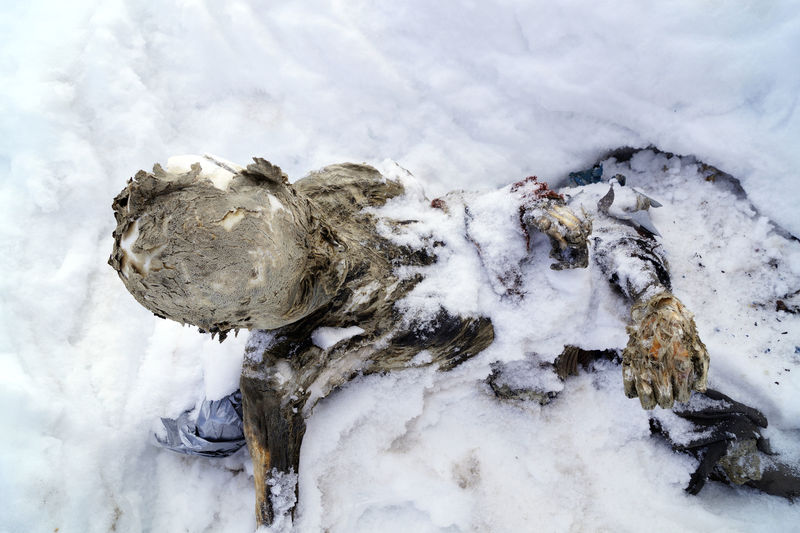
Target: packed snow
(327, 337)
(469, 96)
(215, 169)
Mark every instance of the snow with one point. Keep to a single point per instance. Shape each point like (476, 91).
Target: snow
(467, 96)
(328, 337)
(283, 497)
(217, 170)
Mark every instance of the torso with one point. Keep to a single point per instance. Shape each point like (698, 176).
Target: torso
(380, 338)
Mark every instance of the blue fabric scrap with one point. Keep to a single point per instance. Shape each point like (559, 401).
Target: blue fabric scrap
(585, 177)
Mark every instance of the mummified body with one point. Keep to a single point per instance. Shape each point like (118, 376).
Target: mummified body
(224, 247)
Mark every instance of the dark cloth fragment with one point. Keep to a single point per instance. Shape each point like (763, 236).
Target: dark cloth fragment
(585, 177)
(727, 440)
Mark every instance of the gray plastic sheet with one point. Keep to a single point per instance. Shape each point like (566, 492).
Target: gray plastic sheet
(214, 430)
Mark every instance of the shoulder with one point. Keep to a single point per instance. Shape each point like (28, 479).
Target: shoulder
(349, 184)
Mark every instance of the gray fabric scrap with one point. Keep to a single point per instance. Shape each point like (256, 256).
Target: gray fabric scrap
(215, 432)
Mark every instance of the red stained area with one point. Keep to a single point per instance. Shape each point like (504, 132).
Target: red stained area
(535, 189)
(531, 190)
(438, 203)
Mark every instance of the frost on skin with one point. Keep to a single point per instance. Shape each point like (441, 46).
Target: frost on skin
(327, 337)
(282, 496)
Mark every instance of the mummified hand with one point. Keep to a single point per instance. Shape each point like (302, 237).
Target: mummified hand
(665, 359)
(568, 233)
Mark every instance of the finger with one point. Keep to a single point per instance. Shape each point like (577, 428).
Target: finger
(543, 223)
(660, 360)
(682, 373)
(682, 386)
(629, 379)
(566, 217)
(700, 363)
(557, 233)
(644, 389)
(662, 388)
(734, 407)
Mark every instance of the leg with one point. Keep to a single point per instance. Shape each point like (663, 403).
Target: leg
(274, 433)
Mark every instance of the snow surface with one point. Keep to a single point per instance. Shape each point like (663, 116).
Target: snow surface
(472, 95)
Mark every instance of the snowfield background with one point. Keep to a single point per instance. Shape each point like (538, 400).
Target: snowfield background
(472, 95)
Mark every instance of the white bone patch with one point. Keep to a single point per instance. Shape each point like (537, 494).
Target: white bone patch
(131, 260)
(232, 218)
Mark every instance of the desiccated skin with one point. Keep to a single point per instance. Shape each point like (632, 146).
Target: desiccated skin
(256, 252)
(542, 209)
(665, 360)
(568, 234)
(192, 252)
(298, 257)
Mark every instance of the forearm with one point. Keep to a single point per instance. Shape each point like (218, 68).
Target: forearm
(664, 359)
(634, 264)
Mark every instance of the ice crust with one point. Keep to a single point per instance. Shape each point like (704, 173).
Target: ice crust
(466, 96)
